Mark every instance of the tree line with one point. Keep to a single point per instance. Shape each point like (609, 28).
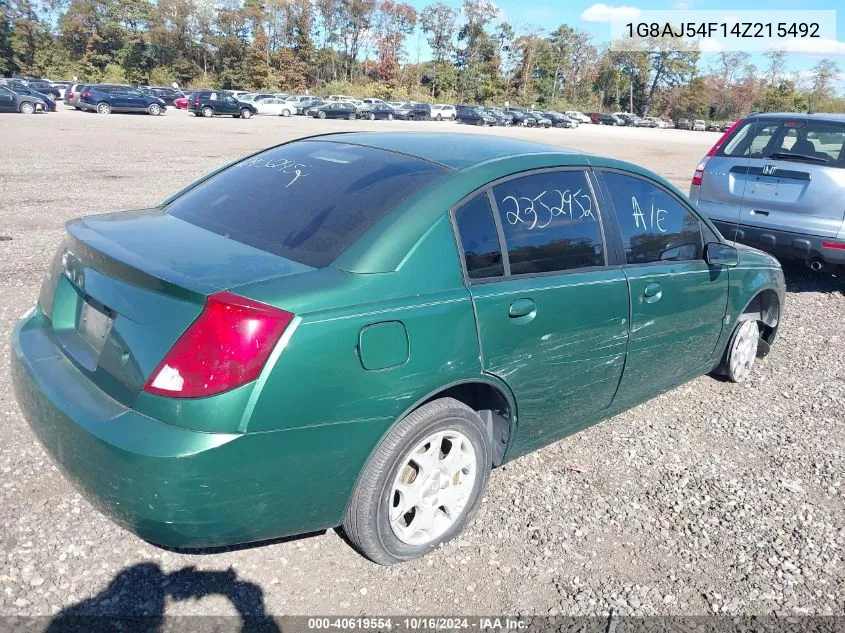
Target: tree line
(375, 48)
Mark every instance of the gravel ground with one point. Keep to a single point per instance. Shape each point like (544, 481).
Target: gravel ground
(714, 498)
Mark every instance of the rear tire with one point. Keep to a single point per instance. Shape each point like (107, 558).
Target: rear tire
(438, 118)
(207, 112)
(352, 116)
(285, 112)
(411, 496)
(103, 108)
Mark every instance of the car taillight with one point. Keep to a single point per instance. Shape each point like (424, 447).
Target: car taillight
(197, 101)
(836, 245)
(70, 95)
(86, 95)
(225, 347)
(698, 175)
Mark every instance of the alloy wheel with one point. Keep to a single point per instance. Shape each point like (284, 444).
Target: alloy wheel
(432, 488)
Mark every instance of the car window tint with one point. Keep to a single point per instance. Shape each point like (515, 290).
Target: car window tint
(307, 201)
(550, 222)
(479, 239)
(655, 225)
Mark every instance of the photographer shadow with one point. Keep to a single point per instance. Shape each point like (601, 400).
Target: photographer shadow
(134, 602)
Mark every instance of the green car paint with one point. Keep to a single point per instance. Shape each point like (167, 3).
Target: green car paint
(390, 323)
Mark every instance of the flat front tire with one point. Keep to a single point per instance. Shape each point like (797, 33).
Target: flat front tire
(422, 484)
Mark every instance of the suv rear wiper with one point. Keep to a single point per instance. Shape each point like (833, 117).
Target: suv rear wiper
(793, 156)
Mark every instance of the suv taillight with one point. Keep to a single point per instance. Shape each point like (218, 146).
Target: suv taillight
(86, 95)
(197, 101)
(698, 175)
(70, 95)
(227, 346)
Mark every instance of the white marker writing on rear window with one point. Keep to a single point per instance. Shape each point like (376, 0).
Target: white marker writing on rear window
(284, 166)
(652, 221)
(523, 210)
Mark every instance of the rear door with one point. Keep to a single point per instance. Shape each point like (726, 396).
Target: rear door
(678, 301)
(551, 309)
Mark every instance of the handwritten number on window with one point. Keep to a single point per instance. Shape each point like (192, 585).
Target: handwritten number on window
(539, 212)
(284, 166)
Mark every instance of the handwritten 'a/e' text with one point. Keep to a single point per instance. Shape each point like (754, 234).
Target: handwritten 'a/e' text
(653, 220)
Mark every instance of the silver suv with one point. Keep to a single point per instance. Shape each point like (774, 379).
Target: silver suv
(777, 182)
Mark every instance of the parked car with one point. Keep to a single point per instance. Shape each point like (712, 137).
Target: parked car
(501, 117)
(168, 95)
(699, 125)
(575, 115)
(540, 119)
(475, 116)
(683, 124)
(727, 126)
(11, 101)
(714, 127)
(44, 87)
(520, 117)
(108, 98)
(609, 119)
(307, 108)
(274, 106)
(176, 391)
(336, 110)
(340, 98)
(777, 181)
(631, 120)
(651, 121)
(369, 102)
(209, 103)
(181, 103)
(594, 117)
(560, 120)
(23, 88)
(380, 111)
(414, 111)
(440, 111)
(73, 94)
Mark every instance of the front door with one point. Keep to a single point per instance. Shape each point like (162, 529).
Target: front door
(552, 317)
(678, 301)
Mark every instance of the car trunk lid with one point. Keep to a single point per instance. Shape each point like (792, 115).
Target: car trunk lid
(123, 288)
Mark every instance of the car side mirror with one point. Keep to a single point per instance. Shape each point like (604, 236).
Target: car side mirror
(718, 254)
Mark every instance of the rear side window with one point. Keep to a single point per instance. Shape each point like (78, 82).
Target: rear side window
(307, 201)
(550, 222)
(479, 239)
(655, 226)
(799, 140)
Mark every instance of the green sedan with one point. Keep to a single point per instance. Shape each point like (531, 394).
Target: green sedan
(354, 329)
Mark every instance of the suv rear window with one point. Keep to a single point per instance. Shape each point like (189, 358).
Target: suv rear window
(307, 201)
(802, 140)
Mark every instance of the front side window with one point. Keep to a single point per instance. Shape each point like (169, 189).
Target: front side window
(655, 225)
(307, 201)
(550, 222)
(479, 239)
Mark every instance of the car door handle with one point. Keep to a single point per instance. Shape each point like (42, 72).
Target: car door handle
(652, 292)
(522, 308)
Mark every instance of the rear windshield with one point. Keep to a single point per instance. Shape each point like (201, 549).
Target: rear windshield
(307, 201)
(799, 140)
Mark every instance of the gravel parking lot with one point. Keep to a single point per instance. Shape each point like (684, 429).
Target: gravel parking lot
(712, 498)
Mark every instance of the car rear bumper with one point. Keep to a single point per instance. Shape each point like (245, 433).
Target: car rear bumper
(783, 244)
(174, 486)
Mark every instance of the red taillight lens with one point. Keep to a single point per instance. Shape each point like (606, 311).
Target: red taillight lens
(70, 95)
(196, 101)
(224, 348)
(699, 171)
(85, 95)
(836, 245)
